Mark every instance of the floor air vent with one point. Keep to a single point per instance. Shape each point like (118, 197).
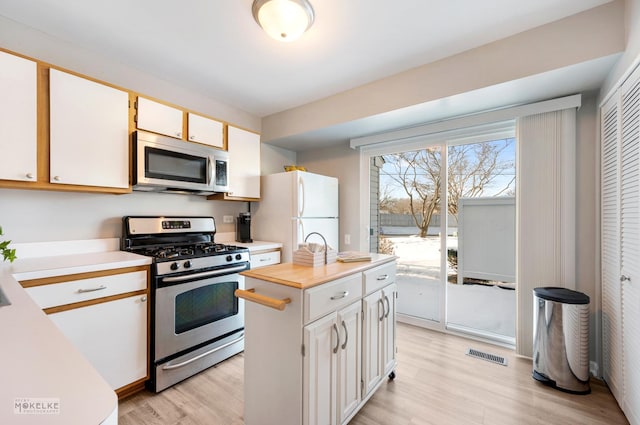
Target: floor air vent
(486, 356)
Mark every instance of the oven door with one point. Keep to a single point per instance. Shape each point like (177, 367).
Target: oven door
(195, 308)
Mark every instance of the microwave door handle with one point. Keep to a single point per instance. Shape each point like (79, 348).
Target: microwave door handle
(209, 170)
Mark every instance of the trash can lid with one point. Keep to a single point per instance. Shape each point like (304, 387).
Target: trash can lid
(561, 295)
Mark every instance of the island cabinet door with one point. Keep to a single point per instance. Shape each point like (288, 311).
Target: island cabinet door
(374, 311)
(349, 360)
(321, 341)
(389, 329)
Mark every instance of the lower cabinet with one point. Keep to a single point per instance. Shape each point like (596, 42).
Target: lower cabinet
(379, 336)
(332, 366)
(112, 336)
(105, 315)
(315, 356)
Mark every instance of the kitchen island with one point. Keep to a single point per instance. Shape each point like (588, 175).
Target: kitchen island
(318, 340)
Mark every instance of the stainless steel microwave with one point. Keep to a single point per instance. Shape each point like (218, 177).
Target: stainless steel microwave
(164, 164)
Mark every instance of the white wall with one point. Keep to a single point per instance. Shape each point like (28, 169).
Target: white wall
(273, 159)
(34, 215)
(632, 48)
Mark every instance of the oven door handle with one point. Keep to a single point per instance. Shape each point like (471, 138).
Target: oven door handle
(206, 353)
(229, 270)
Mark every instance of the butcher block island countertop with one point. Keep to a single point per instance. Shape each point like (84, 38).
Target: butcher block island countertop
(304, 277)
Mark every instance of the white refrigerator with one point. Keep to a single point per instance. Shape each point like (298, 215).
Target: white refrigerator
(293, 205)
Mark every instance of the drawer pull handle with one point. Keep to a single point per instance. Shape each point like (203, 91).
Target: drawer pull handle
(346, 336)
(381, 302)
(99, 288)
(341, 296)
(386, 298)
(265, 259)
(383, 277)
(250, 295)
(335, 328)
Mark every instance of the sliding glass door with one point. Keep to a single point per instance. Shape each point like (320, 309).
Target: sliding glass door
(480, 287)
(411, 185)
(447, 211)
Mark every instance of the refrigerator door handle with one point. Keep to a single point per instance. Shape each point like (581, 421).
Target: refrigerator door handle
(301, 200)
(300, 233)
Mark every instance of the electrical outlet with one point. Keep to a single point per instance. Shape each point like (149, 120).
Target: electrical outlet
(347, 239)
(227, 219)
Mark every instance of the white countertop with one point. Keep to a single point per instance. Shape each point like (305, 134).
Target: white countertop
(37, 359)
(229, 238)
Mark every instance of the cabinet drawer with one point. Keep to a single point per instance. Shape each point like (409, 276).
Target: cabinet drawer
(63, 293)
(379, 277)
(265, 259)
(329, 297)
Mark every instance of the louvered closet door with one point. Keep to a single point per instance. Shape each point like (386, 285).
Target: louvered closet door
(630, 243)
(610, 248)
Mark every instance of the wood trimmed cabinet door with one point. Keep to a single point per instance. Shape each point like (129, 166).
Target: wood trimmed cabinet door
(89, 132)
(244, 163)
(105, 314)
(205, 130)
(18, 118)
(159, 118)
(112, 336)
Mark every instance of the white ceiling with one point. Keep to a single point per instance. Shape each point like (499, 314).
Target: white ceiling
(214, 47)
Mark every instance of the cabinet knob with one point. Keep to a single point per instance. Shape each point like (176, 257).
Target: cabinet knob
(192, 137)
(624, 278)
(29, 175)
(144, 298)
(179, 134)
(56, 178)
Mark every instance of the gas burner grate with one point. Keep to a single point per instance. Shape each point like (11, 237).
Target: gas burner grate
(486, 356)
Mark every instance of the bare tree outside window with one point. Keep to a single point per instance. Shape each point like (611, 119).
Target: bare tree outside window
(414, 178)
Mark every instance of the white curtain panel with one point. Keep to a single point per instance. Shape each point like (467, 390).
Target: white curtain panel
(545, 211)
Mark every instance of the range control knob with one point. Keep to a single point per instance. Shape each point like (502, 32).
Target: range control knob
(187, 264)
(229, 258)
(238, 257)
(174, 266)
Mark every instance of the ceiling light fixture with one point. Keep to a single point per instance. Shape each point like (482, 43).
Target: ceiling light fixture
(284, 20)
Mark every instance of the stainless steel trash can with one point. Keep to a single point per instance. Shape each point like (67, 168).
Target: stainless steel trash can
(561, 339)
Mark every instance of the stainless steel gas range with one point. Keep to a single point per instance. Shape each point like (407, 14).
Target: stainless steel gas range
(196, 320)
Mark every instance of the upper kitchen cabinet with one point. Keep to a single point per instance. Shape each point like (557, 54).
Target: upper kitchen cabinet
(205, 130)
(89, 132)
(18, 118)
(244, 166)
(159, 118)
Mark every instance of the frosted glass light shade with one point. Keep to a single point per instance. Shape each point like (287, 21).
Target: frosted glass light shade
(283, 20)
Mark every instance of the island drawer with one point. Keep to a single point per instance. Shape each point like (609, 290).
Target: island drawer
(379, 277)
(324, 299)
(56, 292)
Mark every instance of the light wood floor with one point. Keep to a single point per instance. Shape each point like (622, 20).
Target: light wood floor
(436, 384)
